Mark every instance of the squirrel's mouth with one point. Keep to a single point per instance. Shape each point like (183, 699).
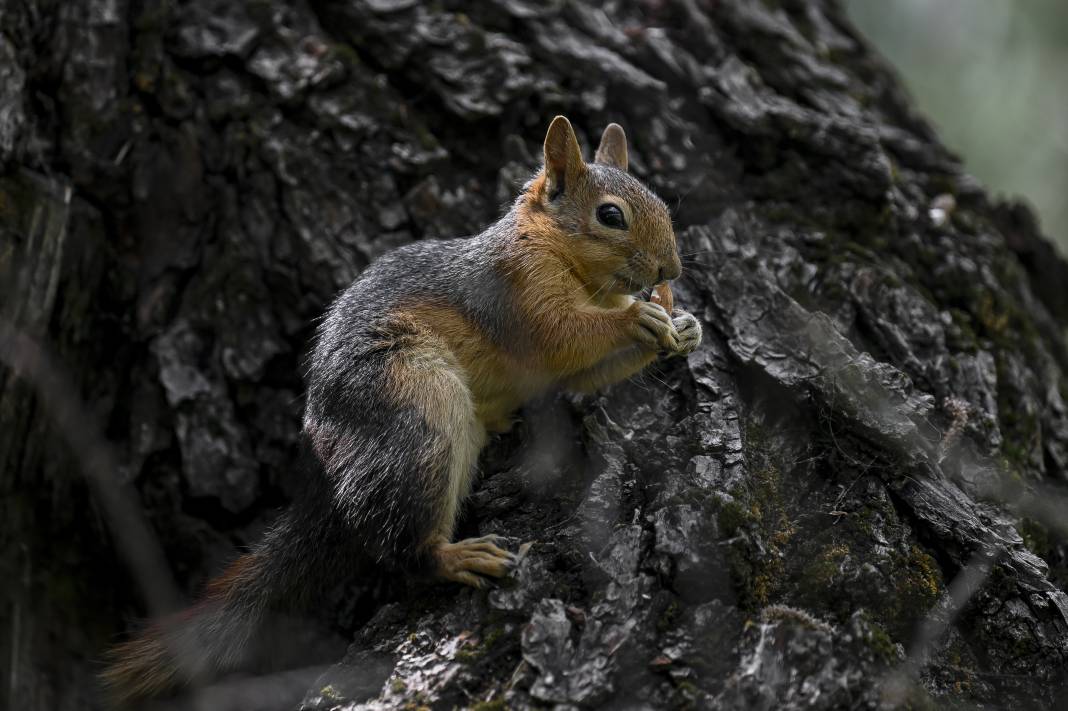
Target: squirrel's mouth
(632, 286)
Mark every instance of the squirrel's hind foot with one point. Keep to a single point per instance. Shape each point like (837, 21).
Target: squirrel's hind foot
(469, 560)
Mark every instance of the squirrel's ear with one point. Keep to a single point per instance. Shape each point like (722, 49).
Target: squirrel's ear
(563, 157)
(613, 148)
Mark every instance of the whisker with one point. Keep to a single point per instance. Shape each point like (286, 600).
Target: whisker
(650, 374)
(685, 195)
(560, 274)
(703, 265)
(594, 294)
(702, 251)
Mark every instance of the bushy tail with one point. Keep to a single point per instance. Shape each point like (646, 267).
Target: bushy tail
(141, 668)
(195, 645)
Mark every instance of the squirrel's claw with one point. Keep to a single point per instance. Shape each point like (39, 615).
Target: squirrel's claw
(470, 579)
(488, 538)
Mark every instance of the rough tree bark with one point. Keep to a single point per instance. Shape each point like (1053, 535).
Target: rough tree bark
(851, 495)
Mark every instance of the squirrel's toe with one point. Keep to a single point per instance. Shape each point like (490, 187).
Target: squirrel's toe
(488, 565)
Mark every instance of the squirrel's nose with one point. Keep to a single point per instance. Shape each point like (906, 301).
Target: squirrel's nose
(670, 272)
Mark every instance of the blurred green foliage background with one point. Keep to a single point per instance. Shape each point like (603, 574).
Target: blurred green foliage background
(992, 75)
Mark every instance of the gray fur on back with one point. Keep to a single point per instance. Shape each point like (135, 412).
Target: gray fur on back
(464, 273)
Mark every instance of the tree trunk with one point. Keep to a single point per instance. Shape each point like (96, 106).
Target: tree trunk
(852, 495)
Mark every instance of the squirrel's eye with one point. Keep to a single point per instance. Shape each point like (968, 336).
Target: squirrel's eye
(610, 215)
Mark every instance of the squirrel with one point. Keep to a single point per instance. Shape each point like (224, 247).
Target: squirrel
(429, 351)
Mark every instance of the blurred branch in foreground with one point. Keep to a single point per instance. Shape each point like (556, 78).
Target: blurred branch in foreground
(133, 536)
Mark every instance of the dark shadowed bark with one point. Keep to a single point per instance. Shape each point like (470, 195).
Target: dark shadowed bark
(852, 495)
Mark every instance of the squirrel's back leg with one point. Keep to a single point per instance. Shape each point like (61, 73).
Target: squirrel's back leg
(426, 377)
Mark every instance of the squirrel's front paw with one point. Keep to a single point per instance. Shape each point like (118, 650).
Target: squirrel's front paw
(651, 327)
(689, 330)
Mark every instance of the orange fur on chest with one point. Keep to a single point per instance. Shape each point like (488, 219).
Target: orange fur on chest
(571, 324)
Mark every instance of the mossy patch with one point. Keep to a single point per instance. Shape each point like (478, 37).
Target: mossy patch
(865, 560)
(478, 648)
(1020, 429)
(1035, 536)
(1047, 545)
(756, 517)
(880, 643)
(667, 619)
(918, 584)
(819, 575)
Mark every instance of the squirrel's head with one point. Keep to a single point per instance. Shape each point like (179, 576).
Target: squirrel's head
(613, 230)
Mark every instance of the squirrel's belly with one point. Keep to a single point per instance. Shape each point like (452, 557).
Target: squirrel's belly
(495, 407)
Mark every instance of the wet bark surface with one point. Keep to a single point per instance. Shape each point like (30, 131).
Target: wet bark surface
(852, 495)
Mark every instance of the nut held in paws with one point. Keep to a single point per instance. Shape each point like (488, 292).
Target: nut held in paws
(662, 295)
